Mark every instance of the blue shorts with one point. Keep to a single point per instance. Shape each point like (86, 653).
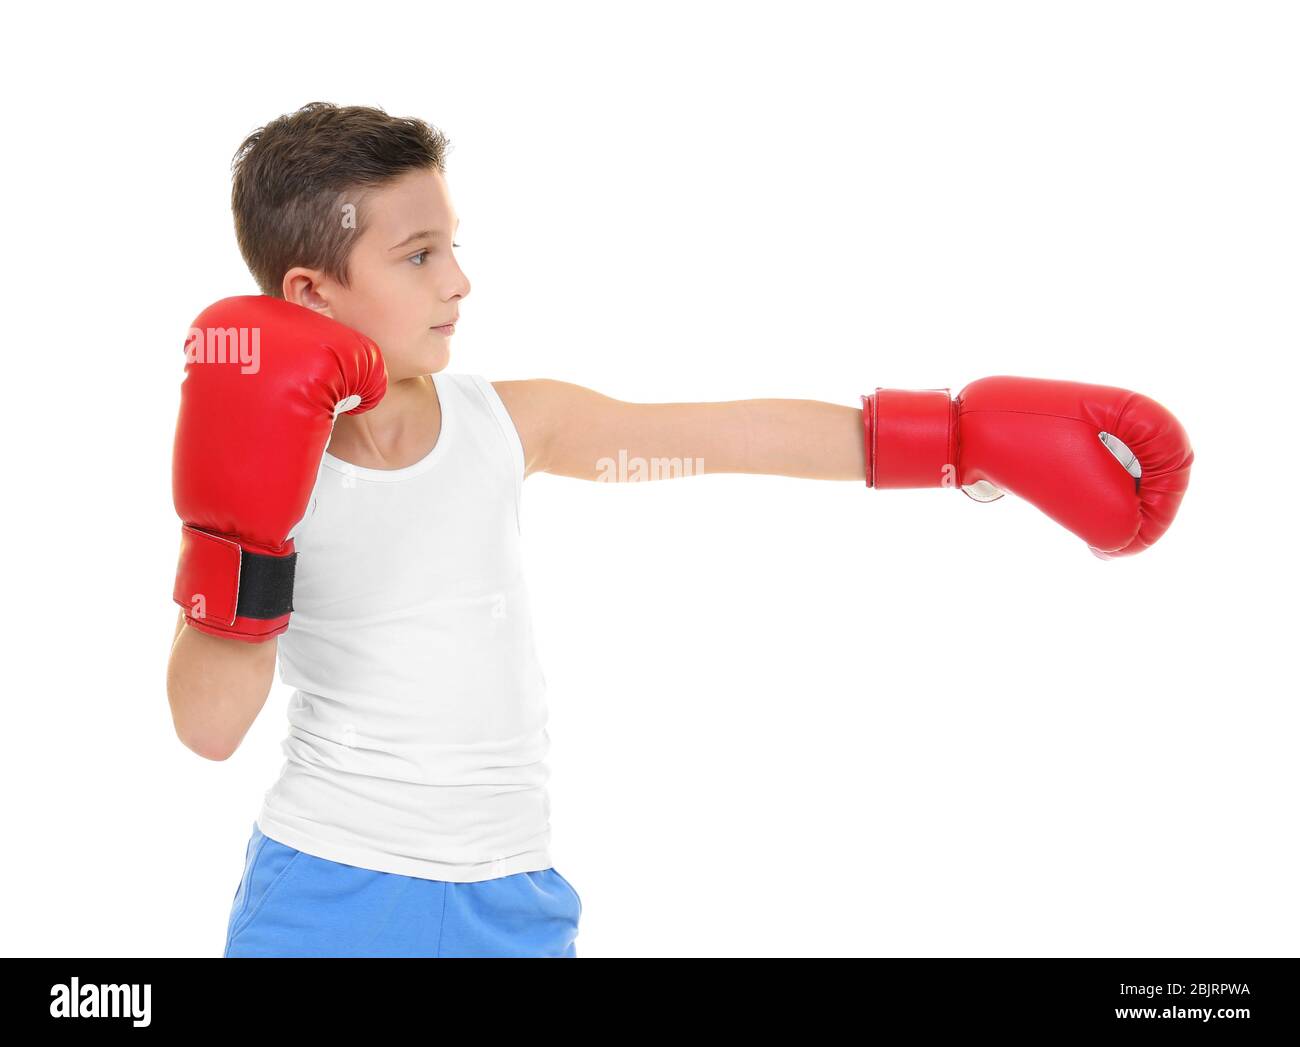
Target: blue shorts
(289, 903)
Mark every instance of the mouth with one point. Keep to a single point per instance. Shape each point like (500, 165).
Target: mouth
(445, 329)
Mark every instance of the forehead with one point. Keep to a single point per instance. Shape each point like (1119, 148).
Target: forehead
(416, 200)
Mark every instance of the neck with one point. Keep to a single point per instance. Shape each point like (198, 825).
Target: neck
(382, 429)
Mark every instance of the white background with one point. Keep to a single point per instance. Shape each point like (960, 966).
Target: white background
(788, 717)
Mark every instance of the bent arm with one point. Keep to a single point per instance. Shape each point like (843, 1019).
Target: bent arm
(216, 686)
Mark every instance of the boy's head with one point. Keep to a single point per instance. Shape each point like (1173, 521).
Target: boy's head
(346, 210)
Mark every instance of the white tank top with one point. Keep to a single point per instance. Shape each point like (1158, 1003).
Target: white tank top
(417, 733)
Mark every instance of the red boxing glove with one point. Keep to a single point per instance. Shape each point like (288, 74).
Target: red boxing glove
(264, 379)
(1110, 465)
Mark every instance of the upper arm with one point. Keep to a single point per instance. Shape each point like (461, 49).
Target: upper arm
(530, 404)
(569, 430)
(559, 424)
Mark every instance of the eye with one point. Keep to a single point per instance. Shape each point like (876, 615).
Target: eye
(421, 255)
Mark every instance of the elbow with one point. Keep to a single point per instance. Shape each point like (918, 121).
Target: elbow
(199, 739)
(209, 749)
(215, 752)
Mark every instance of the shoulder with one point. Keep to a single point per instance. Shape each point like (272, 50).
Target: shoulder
(531, 404)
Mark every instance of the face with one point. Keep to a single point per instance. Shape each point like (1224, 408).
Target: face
(405, 279)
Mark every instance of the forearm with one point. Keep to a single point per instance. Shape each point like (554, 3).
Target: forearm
(595, 437)
(805, 438)
(216, 687)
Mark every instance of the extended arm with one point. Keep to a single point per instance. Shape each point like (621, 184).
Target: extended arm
(1106, 463)
(571, 431)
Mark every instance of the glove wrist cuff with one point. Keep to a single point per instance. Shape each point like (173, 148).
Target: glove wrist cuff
(909, 438)
(228, 590)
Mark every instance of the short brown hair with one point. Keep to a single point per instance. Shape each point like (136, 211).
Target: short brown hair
(293, 178)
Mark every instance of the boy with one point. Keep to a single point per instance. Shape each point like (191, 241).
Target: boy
(411, 814)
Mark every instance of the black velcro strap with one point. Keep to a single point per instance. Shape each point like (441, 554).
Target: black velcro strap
(266, 585)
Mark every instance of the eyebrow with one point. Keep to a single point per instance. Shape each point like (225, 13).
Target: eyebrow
(420, 236)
